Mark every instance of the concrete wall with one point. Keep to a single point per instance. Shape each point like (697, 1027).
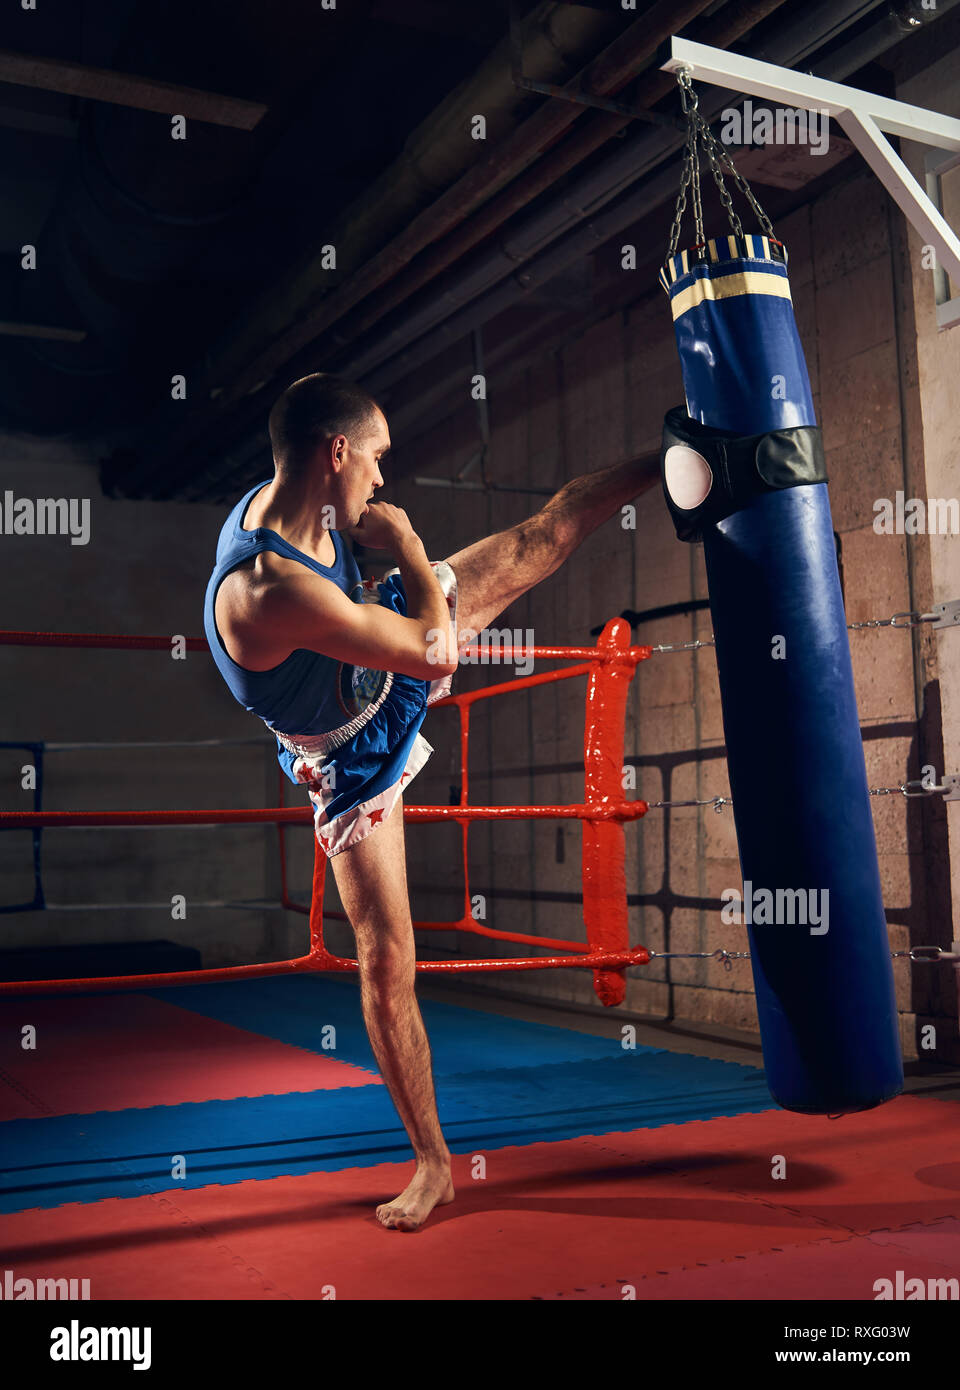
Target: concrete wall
(881, 379)
(143, 570)
(933, 440)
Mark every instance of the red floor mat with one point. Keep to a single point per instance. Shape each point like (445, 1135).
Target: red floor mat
(547, 1217)
(683, 1211)
(827, 1269)
(875, 1170)
(131, 1051)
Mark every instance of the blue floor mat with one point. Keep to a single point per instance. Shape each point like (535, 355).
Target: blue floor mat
(128, 1153)
(294, 1009)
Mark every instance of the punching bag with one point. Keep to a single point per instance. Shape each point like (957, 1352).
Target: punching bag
(742, 470)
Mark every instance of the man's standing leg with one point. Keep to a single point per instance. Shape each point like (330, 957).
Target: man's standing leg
(372, 882)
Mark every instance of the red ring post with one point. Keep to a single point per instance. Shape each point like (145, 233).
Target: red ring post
(604, 878)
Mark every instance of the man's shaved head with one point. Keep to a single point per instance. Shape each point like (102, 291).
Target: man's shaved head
(314, 409)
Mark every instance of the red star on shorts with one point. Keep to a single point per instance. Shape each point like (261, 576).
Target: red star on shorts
(375, 817)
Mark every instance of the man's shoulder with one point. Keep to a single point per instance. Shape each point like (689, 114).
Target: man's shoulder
(269, 568)
(270, 587)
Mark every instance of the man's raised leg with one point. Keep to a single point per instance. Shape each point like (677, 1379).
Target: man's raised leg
(372, 880)
(495, 571)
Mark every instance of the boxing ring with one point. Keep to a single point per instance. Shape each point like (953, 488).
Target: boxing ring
(609, 667)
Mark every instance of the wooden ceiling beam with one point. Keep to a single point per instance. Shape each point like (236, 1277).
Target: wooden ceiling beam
(125, 89)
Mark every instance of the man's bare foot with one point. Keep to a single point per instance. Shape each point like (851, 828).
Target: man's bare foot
(431, 1187)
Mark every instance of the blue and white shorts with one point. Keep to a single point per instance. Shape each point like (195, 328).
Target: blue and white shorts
(355, 773)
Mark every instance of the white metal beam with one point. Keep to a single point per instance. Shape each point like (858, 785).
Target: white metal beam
(903, 188)
(758, 79)
(862, 115)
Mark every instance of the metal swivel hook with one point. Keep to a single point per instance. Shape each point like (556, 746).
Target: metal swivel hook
(688, 96)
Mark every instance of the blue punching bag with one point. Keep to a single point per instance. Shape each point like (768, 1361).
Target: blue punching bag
(743, 471)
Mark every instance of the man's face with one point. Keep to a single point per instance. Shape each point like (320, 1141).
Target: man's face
(361, 476)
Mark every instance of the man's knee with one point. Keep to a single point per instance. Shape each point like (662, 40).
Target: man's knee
(545, 539)
(387, 965)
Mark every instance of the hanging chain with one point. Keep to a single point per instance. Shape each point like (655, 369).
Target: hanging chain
(699, 133)
(690, 177)
(710, 145)
(688, 100)
(715, 151)
(693, 119)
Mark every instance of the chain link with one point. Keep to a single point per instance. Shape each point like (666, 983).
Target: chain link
(685, 646)
(932, 955)
(695, 178)
(715, 151)
(718, 802)
(727, 957)
(724, 192)
(688, 100)
(925, 789)
(699, 134)
(898, 620)
(913, 620)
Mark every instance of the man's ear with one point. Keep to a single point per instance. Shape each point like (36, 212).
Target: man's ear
(337, 446)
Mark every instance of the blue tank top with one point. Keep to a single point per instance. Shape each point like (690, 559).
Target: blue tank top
(307, 693)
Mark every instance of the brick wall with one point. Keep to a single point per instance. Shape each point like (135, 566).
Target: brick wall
(600, 394)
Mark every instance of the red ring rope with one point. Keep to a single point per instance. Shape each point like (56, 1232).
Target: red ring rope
(610, 666)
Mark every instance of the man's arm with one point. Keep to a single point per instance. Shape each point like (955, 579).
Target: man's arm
(298, 609)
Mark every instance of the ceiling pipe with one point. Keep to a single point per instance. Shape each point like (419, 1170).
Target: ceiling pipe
(837, 67)
(379, 373)
(284, 315)
(133, 210)
(888, 29)
(720, 31)
(602, 182)
(825, 19)
(251, 459)
(126, 89)
(503, 161)
(433, 157)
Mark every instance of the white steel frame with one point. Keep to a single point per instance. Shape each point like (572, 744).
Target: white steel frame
(864, 118)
